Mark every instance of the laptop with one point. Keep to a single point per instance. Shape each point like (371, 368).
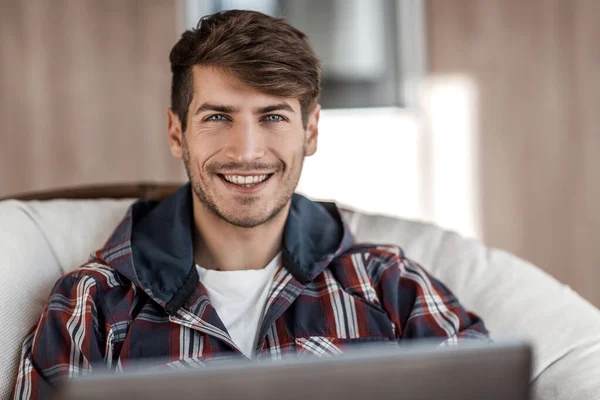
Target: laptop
(491, 371)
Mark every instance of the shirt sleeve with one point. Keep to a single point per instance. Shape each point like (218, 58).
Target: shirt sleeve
(420, 306)
(66, 342)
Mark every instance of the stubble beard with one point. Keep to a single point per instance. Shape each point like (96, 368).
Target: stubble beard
(283, 196)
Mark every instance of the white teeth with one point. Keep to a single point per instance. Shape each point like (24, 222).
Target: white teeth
(245, 180)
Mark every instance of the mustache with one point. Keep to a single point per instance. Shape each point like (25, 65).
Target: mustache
(218, 167)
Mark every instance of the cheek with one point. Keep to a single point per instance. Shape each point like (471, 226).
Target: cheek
(288, 145)
(202, 150)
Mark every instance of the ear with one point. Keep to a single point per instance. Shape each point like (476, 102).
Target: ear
(312, 130)
(175, 135)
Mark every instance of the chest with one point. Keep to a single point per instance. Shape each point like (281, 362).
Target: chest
(320, 320)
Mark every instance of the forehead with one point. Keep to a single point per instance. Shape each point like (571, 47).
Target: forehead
(217, 86)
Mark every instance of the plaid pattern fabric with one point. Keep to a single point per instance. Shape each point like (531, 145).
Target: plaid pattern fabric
(99, 318)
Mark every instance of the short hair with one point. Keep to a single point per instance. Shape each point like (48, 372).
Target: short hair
(263, 52)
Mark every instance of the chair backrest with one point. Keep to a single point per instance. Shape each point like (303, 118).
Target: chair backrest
(143, 190)
(41, 240)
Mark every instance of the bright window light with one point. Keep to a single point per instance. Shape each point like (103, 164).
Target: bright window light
(367, 159)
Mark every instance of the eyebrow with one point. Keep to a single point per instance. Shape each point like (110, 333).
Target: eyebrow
(283, 106)
(216, 108)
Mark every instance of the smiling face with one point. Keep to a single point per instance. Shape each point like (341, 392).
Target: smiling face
(243, 150)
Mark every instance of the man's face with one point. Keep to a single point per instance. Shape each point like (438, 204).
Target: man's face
(243, 150)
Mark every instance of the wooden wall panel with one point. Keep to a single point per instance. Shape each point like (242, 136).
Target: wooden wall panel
(535, 64)
(84, 89)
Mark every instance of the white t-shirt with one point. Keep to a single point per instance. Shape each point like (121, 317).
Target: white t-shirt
(239, 298)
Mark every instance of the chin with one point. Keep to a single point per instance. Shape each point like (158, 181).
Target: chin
(251, 215)
(242, 210)
(245, 221)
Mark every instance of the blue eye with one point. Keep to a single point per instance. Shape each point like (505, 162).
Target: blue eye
(216, 118)
(274, 118)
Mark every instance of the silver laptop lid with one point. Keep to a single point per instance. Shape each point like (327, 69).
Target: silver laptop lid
(491, 371)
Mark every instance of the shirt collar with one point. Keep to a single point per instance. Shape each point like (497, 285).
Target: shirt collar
(153, 245)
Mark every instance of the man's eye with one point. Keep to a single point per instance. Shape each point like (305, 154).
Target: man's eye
(274, 118)
(216, 118)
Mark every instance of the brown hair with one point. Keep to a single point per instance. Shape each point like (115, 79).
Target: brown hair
(263, 52)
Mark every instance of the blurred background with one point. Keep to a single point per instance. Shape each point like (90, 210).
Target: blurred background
(477, 115)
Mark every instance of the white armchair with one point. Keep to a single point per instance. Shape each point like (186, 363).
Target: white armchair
(41, 240)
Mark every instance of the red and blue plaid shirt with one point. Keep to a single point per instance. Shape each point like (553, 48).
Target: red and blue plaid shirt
(139, 298)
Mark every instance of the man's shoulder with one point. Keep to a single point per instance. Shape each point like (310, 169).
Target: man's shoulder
(370, 259)
(92, 277)
(379, 259)
(375, 254)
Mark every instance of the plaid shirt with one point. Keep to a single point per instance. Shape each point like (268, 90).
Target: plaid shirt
(139, 298)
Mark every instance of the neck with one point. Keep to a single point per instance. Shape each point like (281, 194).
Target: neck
(222, 246)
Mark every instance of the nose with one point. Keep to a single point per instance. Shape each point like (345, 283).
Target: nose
(244, 142)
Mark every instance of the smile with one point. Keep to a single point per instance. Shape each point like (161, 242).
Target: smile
(247, 181)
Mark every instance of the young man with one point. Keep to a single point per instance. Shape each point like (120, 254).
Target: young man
(235, 263)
